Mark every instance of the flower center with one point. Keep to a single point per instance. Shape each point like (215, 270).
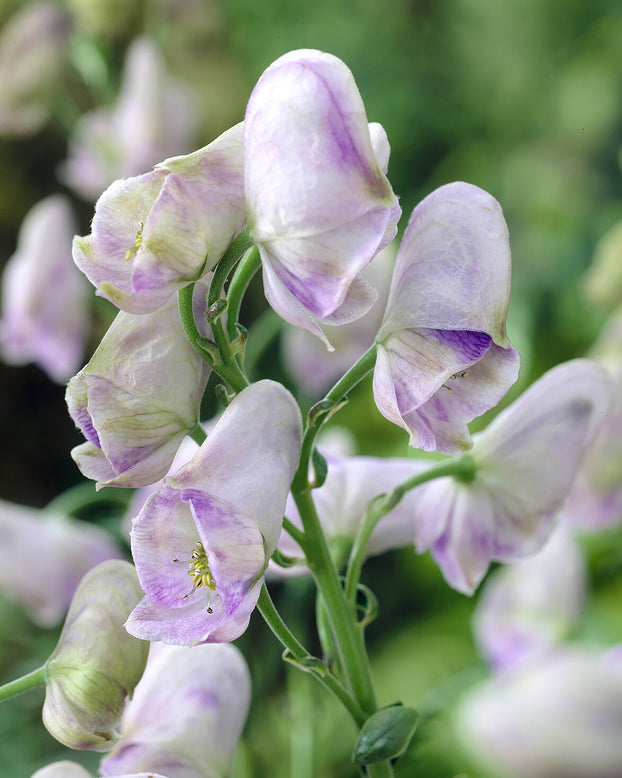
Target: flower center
(198, 569)
(138, 243)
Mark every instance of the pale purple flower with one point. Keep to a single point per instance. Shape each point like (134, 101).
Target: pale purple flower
(595, 500)
(45, 311)
(305, 357)
(186, 715)
(137, 398)
(154, 118)
(61, 550)
(341, 502)
(319, 205)
(62, 769)
(67, 769)
(33, 55)
(525, 463)
(528, 607)
(155, 233)
(558, 718)
(95, 664)
(201, 543)
(443, 353)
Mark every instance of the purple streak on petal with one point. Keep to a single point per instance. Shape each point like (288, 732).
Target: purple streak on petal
(83, 419)
(234, 546)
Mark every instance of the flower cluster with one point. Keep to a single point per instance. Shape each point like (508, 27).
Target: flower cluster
(299, 189)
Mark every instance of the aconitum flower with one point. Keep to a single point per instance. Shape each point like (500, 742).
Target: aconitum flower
(525, 463)
(186, 715)
(319, 205)
(528, 607)
(36, 547)
(44, 297)
(443, 353)
(305, 357)
(153, 234)
(351, 484)
(557, 718)
(96, 664)
(137, 398)
(33, 55)
(201, 543)
(154, 118)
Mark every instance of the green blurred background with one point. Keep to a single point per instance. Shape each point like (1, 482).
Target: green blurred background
(523, 99)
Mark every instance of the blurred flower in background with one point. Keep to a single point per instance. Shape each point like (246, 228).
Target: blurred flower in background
(45, 299)
(153, 118)
(528, 607)
(558, 717)
(43, 557)
(33, 58)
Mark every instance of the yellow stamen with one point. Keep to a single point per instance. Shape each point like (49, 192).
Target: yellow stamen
(198, 569)
(139, 240)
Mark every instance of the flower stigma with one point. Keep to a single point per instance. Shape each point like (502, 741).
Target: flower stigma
(198, 569)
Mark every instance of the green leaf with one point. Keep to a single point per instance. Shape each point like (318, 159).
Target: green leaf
(385, 735)
(320, 468)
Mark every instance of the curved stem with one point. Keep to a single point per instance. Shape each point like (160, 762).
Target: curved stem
(295, 532)
(250, 264)
(230, 258)
(303, 658)
(186, 314)
(228, 370)
(362, 367)
(322, 411)
(23, 684)
(462, 469)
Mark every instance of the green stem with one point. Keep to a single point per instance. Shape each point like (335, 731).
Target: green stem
(340, 390)
(230, 258)
(186, 314)
(380, 770)
(197, 433)
(462, 468)
(362, 367)
(295, 532)
(23, 684)
(242, 277)
(341, 615)
(303, 658)
(229, 371)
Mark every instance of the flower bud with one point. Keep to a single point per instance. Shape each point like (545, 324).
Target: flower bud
(137, 398)
(96, 663)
